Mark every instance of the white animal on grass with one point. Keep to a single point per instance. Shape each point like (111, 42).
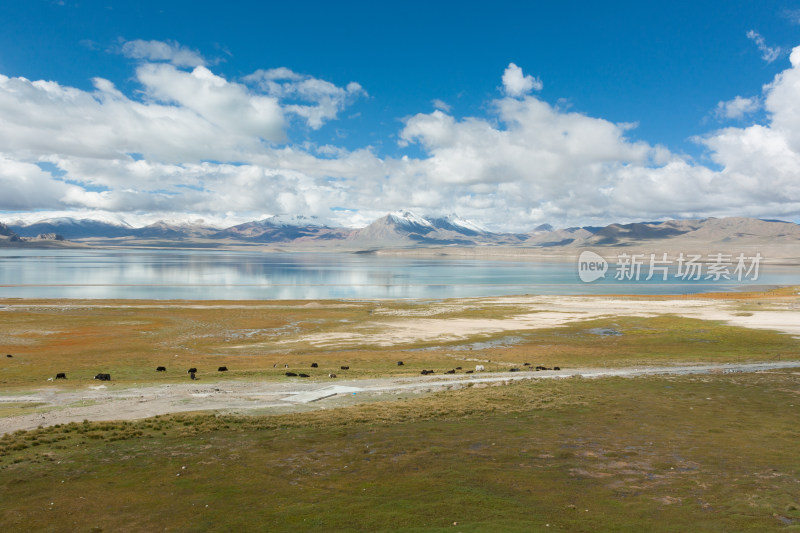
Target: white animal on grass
(479, 368)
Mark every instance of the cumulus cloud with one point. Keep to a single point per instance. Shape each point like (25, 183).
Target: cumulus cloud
(192, 141)
(737, 108)
(517, 84)
(170, 51)
(761, 162)
(537, 163)
(315, 100)
(186, 116)
(533, 162)
(228, 106)
(768, 53)
(26, 186)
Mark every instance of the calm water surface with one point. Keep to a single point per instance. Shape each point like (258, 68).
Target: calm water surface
(211, 275)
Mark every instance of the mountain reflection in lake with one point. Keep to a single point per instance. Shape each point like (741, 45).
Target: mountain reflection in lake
(226, 275)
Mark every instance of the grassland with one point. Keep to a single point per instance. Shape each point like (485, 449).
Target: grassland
(711, 453)
(255, 340)
(715, 452)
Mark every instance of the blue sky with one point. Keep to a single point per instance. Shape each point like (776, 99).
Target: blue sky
(629, 111)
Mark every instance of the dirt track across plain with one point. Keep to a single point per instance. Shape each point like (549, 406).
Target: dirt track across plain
(109, 402)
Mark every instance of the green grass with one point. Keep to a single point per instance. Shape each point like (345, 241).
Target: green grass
(650, 340)
(83, 339)
(703, 453)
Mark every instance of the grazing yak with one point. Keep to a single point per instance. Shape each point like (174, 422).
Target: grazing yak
(222, 369)
(469, 371)
(399, 363)
(345, 367)
(426, 372)
(191, 375)
(303, 375)
(450, 372)
(331, 375)
(9, 355)
(556, 368)
(514, 370)
(161, 369)
(479, 368)
(191, 370)
(103, 377)
(291, 375)
(61, 375)
(314, 365)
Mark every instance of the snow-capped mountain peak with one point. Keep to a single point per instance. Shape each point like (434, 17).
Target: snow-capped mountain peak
(294, 221)
(459, 222)
(76, 222)
(407, 218)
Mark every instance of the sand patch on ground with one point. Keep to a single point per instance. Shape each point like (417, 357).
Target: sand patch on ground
(547, 312)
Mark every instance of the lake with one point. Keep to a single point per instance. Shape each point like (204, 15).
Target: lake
(233, 275)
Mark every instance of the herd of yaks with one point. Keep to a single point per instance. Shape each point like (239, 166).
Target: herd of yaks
(107, 377)
(481, 368)
(193, 371)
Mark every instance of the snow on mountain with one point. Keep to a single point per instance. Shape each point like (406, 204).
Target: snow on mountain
(71, 228)
(407, 218)
(408, 227)
(67, 217)
(174, 229)
(453, 222)
(284, 228)
(396, 226)
(294, 221)
(5, 231)
(399, 228)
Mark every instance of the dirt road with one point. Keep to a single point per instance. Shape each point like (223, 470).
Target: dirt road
(112, 402)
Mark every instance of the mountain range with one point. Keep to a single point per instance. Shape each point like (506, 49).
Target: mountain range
(401, 229)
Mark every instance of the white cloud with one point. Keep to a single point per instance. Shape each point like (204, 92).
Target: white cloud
(194, 142)
(516, 84)
(186, 117)
(737, 108)
(793, 15)
(441, 105)
(228, 106)
(25, 186)
(533, 162)
(768, 53)
(273, 74)
(172, 52)
(325, 98)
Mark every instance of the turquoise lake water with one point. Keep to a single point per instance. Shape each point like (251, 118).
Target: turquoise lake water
(225, 275)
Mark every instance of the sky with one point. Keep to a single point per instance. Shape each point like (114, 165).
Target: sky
(510, 114)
